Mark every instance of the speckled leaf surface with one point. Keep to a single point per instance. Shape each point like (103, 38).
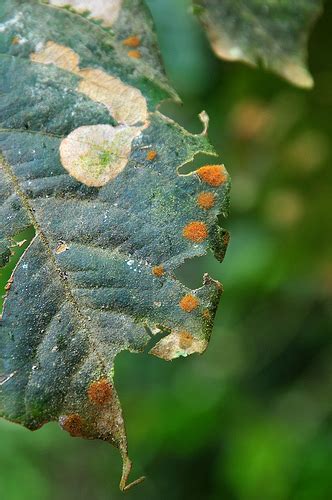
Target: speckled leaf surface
(273, 33)
(90, 163)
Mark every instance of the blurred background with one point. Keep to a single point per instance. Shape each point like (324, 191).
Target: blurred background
(251, 419)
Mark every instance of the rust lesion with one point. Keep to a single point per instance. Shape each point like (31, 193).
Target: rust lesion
(100, 392)
(72, 424)
(213, 175)
(158, 271)
(188, 303)
(195, 231)
(133, 41)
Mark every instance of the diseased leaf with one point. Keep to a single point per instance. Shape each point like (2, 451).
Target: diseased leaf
(273, 33)
(90, 163)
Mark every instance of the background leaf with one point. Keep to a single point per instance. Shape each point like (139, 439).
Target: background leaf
(270, 33)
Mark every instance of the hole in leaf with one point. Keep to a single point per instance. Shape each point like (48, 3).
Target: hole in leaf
(200, 160)
(20, 243)
(190, 273)
(155, 337)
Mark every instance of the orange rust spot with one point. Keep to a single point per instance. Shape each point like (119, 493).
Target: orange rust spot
(15, 40)
(135, 54)
(158, 271)
(214, 175)
(151, 155)
(206, 200)
(100, 392)
(195, 231)
(132, 41)
(185, 340)
(72, 424)
(188, 303)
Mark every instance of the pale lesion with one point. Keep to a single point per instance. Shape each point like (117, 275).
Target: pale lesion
(96, 154)
(106, 11)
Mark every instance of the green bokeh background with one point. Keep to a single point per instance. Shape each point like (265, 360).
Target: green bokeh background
(251, 419)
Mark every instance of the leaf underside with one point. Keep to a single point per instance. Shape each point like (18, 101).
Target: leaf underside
(89, 162)
(271, 33)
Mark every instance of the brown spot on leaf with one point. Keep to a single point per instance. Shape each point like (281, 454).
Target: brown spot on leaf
(158, 271)
(72, 424)
(195, 231)
(132, 41)
(100, 392)
(214, 175)
(206, 200)
(188, 303)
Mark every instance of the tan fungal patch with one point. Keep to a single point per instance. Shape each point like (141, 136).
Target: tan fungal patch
(214, 175)
(72, 424)
(9, 283)
(185, 340)
(135, 54)
(105, 10)
(206, 200)
(195, 231)
(96, 154)
(158, 271)
(178, 344)
(132, 41)
(125, 103)
(100, 392)
(62, 247)
(61, 56)
(151, 155)
(188, 303)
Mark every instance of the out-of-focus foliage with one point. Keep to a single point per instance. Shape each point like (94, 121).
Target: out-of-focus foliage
(252, 418)
(273, 34)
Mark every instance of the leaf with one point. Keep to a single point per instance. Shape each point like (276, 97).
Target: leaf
(272, 33)
(91, 164)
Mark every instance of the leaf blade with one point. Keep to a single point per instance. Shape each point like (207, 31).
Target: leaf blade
(86, 287)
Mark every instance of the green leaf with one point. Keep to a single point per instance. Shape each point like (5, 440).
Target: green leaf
(273, 33)
(91, 164)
